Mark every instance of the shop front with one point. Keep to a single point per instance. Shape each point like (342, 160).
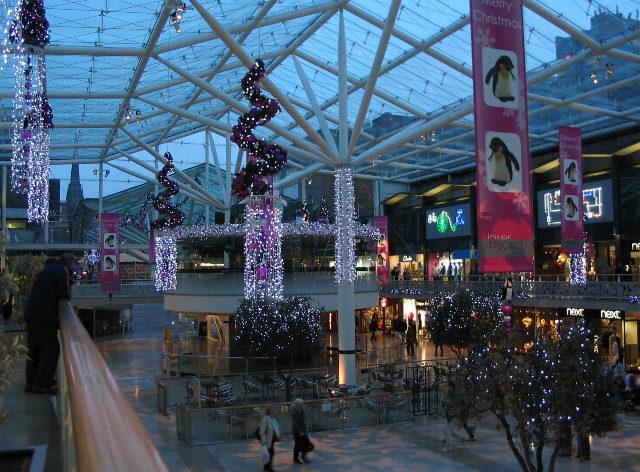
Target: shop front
(449, 244)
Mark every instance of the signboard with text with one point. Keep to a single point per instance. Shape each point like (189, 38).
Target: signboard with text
(504, 206)
(450, 221)
(572, 225)
(110, 252)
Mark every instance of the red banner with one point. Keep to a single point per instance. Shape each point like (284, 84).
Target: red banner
(110, 252)
(571, 223)
(505, 227)
(382, 249)
(152, 246)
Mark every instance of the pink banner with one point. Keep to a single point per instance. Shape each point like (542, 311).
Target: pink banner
(110, 252)
(572, 226)
(382, 249)
(505, 227)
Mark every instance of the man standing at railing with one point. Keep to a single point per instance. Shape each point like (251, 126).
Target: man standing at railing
(41, 315)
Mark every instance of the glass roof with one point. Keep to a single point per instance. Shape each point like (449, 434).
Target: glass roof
(109, 55)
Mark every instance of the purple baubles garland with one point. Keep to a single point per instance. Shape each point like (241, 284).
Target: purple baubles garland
(171, 216)
(265, 159)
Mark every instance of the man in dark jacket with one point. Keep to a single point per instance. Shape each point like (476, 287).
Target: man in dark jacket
(41, 315)
(299, 431)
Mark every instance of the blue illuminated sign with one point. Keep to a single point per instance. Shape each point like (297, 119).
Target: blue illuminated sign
(449, 221)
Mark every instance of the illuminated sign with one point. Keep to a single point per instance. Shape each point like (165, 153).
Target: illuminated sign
(578, 312)
(596, 198)
(449, 221)
(635, 246)
(611, 314)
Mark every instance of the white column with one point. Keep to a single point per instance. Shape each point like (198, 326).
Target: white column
(346, 290)
(206, 173)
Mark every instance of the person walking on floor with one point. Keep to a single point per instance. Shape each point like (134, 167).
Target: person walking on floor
(373, 326)
(412, 338)
(300, 432)
(269, 434)
(43, 321)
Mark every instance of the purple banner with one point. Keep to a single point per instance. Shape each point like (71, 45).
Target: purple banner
(572, 225)
(505, 226)
(110, 252)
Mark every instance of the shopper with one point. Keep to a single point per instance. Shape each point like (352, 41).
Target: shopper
(269, 434)
(373, 326)
(42, 320)
(299, 420)
(412, 338)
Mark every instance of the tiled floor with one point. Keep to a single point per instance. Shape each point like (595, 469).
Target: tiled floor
(134, 360)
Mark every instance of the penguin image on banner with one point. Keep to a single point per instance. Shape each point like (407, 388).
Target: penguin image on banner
(571, 172)
(571, 210)
(499, 69)
(109, 263)
(502, 79)
(504, 163)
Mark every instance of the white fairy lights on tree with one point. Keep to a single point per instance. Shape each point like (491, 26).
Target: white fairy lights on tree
(166, 252)
(345, 224)
(26, 33)
(263, 249)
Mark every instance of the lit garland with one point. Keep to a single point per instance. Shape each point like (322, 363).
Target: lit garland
(344, 201)
(166, 252)
(265, 159)
(27, 29)
(92, 256)
(262, 250)
(307, 229)
(174, 217)
(578, 262)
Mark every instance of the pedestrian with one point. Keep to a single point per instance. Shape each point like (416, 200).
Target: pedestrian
(300, 433)
(269, 435)
(411, 338)
(373, 326)
(43, 321)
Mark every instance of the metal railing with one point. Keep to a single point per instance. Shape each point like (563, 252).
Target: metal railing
(199, 426)
(603, 290)
(100, 430)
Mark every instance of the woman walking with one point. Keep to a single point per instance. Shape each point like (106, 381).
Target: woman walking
(269, 434)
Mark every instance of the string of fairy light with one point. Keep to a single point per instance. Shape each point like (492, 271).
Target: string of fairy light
(26, 33)
(345, 222)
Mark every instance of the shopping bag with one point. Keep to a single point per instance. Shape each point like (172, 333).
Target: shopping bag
(307, 445)
(264, 455)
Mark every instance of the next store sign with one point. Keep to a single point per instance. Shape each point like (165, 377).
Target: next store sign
(603, 314)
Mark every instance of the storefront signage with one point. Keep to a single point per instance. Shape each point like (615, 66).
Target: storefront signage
(577, 312)
(382, 249)
(504, 206)
(635, 247)
(611, 314)
(571, 208)
(110, 252)
(464, 254)
(602, 314)
(407, 258)
(449, 221)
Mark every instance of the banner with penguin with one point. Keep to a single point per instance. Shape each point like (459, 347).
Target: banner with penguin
(110, 252)
(571, 222)
(504, 204)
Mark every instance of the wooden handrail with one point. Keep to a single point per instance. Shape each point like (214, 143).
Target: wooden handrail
(108, 434)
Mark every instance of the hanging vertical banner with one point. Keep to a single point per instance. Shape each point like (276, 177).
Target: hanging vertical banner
(571, 223)
(110, 252)
(505, 227)
(382, 249)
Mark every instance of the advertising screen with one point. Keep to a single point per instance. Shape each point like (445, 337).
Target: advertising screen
(452, 221)
(596, 200)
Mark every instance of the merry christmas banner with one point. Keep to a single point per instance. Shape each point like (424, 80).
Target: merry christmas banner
(571, 223)
(505, 226)
(110, 252)
(382, 249)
